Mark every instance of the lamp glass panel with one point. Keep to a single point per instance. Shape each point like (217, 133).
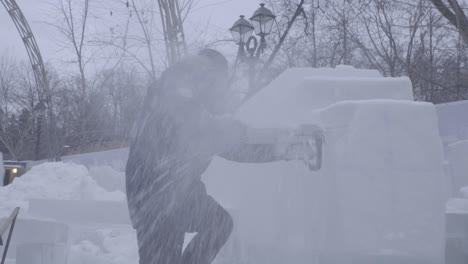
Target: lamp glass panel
(267, 26)
(262, 24)
(257, 26)
(236, 36)
(246, 35)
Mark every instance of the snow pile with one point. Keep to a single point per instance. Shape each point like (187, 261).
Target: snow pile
(105, 246)
(57, 181)
(116, 159)
(108, 177)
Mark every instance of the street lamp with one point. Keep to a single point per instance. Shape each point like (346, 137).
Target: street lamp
(262, 23)
(241, 31)
(263, 20)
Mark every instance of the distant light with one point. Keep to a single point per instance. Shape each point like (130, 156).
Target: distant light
(14, 170)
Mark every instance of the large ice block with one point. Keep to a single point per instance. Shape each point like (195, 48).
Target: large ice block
(294, 95)
(453, 123)
(457, 157)
(384, 183)
(382, 188)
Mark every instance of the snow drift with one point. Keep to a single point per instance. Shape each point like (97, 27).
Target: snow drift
(57, 181)
(49, 195)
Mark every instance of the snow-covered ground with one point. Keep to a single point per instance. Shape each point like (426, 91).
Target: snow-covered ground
(106, 246)
(56, 181)
(116, 159)
(52, 188)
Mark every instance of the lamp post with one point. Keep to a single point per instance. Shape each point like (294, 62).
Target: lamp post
(262, 20)
(242, 32)
(262, 23)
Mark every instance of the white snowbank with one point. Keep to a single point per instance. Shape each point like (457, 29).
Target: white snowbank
(116, 159)
(108, 177)
(105, 246)
(57, 181)
(107, 168)
(54, 185)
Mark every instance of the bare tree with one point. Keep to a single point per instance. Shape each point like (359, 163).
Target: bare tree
(73, 25)
(18, 96)
(143, 22)
(452, 10)
(391, 32)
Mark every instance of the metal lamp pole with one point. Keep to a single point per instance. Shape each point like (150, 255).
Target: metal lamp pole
(261, 22)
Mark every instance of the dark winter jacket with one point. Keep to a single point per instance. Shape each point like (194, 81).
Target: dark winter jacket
(174, 142)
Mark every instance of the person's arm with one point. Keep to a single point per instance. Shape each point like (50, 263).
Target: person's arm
(233, 140)
(270, 145)
(257, 146)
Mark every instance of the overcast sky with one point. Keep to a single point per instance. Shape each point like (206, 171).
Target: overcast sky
(212, 19)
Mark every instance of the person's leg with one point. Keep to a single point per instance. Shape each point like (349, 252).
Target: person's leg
(160, 243)
(213, 225)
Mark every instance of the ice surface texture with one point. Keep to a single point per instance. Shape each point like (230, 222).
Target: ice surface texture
(382, 187)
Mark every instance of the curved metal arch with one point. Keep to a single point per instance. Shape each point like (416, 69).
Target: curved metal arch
(173, 29)
(40, 74)
(30, 43)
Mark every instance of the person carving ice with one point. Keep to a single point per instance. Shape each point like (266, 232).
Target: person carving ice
(182, 127)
